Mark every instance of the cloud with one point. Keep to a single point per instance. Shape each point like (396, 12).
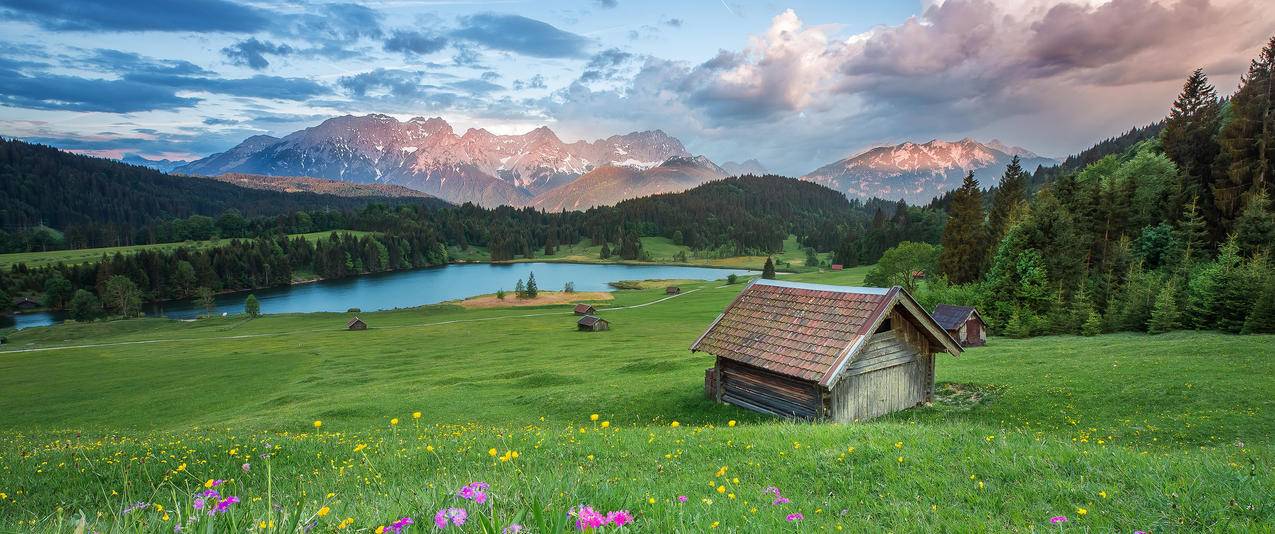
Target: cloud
(137, 15)
(73, 93)
(259, 86)
(674, 22)
(111, 60)
(252, 53)
(414, 42)
(476, 86)
(535, 82)
(605, 65)
(520, 35)
(606, 4)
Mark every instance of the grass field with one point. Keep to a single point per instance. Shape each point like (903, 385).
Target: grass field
(1117, 433)
(660, 250)
(75, 257)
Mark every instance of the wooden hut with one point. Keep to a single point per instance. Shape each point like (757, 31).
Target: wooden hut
(672, 290)
(592, 323)
(837, 267)
(822, 352)
(963, 323)
(585, 309)
(356, 324)
(24, 303)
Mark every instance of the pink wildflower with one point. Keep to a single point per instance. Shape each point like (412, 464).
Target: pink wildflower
(474, 491)
(780, 500)
(512, 529)
(681, 498)
(216, 483)
(198, 504)
(399, 525)
(455, 516)
(1058, 519)
(795, 517)
(246, 467)
(619, 518)
(587, 517)
(223, 505)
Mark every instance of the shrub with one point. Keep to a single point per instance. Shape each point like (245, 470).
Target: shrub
(732, 279)
(84, 306)
(252, 306)
(500, 294)
(354, 310)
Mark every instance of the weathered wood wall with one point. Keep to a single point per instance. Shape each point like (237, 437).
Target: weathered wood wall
(893, 371)
(766, 392)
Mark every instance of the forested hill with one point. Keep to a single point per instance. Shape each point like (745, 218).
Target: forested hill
(102, 202)
(769, 208)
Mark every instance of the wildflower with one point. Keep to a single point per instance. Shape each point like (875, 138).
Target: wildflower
(606, 424)
(455, 516)
(681, 498)
(403, 523)
(323, 512)
(318, 423)
(721, 472)
(181, 467)
(345, 523)
(721, 489)
(492, 452)
(1102, 494)
(715, 523)
(980, 484)
(198, 504)
(619, 518)
(512, 529)
(593, 417)
(900, 459)
(1081, 511)
(233, 452)
(474, 491)
(675, 424)
(587, 517)
(246, 467)
(898, 444)
(731, 423)
(360, 447)
(796, 516)
(224, 505)
(416, 415)
(650, 500)
(1058, 519)
(213, 483)
(135, 507)
(394, 422)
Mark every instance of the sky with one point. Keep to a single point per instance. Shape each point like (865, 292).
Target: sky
(795, 85)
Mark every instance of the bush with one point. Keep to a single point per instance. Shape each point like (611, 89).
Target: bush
(84, 306)
(500, 294)
(252, 306)
(732, 279)
(569, 287)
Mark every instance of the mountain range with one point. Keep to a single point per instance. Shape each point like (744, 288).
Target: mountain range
(540, 170)
(917, 173)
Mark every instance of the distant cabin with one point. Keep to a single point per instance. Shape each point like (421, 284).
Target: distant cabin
(963, 323)
(672, 290)
(24, 303)
(585, 309)
(837, 267)
(592, 323)
(356, 324)
(822, 352)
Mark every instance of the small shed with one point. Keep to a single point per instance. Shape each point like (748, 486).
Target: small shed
(356, 324)
(592, 323)
(837, 267)
(963, 323)
(25, 303)
(585, 309)
(823, 352)
(672, 290)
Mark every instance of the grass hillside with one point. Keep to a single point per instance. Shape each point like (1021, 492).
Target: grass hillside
(85, 255)
(661, 250)
(128, 422)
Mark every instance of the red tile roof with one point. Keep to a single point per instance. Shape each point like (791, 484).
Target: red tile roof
(799, 330)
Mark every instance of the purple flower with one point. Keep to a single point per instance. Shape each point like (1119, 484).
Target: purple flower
(211, 494)
(216, 483)
(795, 517)
(455, 516)
(223, 505)
(780, 500)
(403, 523)
(1058, 519)
(198, 504)
(681, 498)
(587, 517)
(619, 518)
(246, 467)
(512, 529)
(134, 507)
(474, 491)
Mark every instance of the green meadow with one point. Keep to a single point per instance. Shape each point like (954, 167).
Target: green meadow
(660, 250)
(86, 255)
(120, 426)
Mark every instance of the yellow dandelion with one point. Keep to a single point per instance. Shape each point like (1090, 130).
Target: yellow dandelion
(1081, 511)
(360, 447)
(715, 524)
(731, 423)
(416, 415)
(233, 452)
(318, 424)
(675, 424)
(606, 424)
(900, 459)
(593, 417)
(323, 512)
(650, 500)
(721, 489)
(1103, 494)
(429, 448)
(898, 444)
(380, 529)
(492, 452)
(394, 421)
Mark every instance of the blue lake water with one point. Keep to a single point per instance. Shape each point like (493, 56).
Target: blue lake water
(405, 289)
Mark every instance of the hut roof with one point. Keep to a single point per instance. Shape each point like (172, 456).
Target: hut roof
(353, 322)
(584, 308)
(951, 317)
(808, 331)
(590, 320)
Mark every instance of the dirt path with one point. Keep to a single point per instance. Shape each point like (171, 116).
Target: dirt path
(295, 332)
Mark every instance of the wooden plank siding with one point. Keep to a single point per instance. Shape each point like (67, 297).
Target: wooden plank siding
(763, 391)
(893, 371)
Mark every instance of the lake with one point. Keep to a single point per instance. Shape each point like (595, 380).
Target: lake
(406, 289)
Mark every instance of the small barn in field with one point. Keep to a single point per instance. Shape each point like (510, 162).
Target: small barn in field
(823, 352)
(672, 290)
(963, 323)
(592, 323)
(585, 309)
(356, 324)
(837, 267)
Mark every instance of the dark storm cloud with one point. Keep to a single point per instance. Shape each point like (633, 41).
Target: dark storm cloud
(414, 42)
(252, 53)
(520, 35)
(138, 15)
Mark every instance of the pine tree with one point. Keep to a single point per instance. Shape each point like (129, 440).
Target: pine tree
(1081, 310)
(520, 289)
(1190, 139)
(532, 290)
(768, 270)
(1255, 228)
(964, 237)
(1018, 326)
(606, 252)
(1246, 162)
(252, 306)
(1011, 192)
(1092, 326)
(1262, 319)
(1193, 233)
(1165, 315)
